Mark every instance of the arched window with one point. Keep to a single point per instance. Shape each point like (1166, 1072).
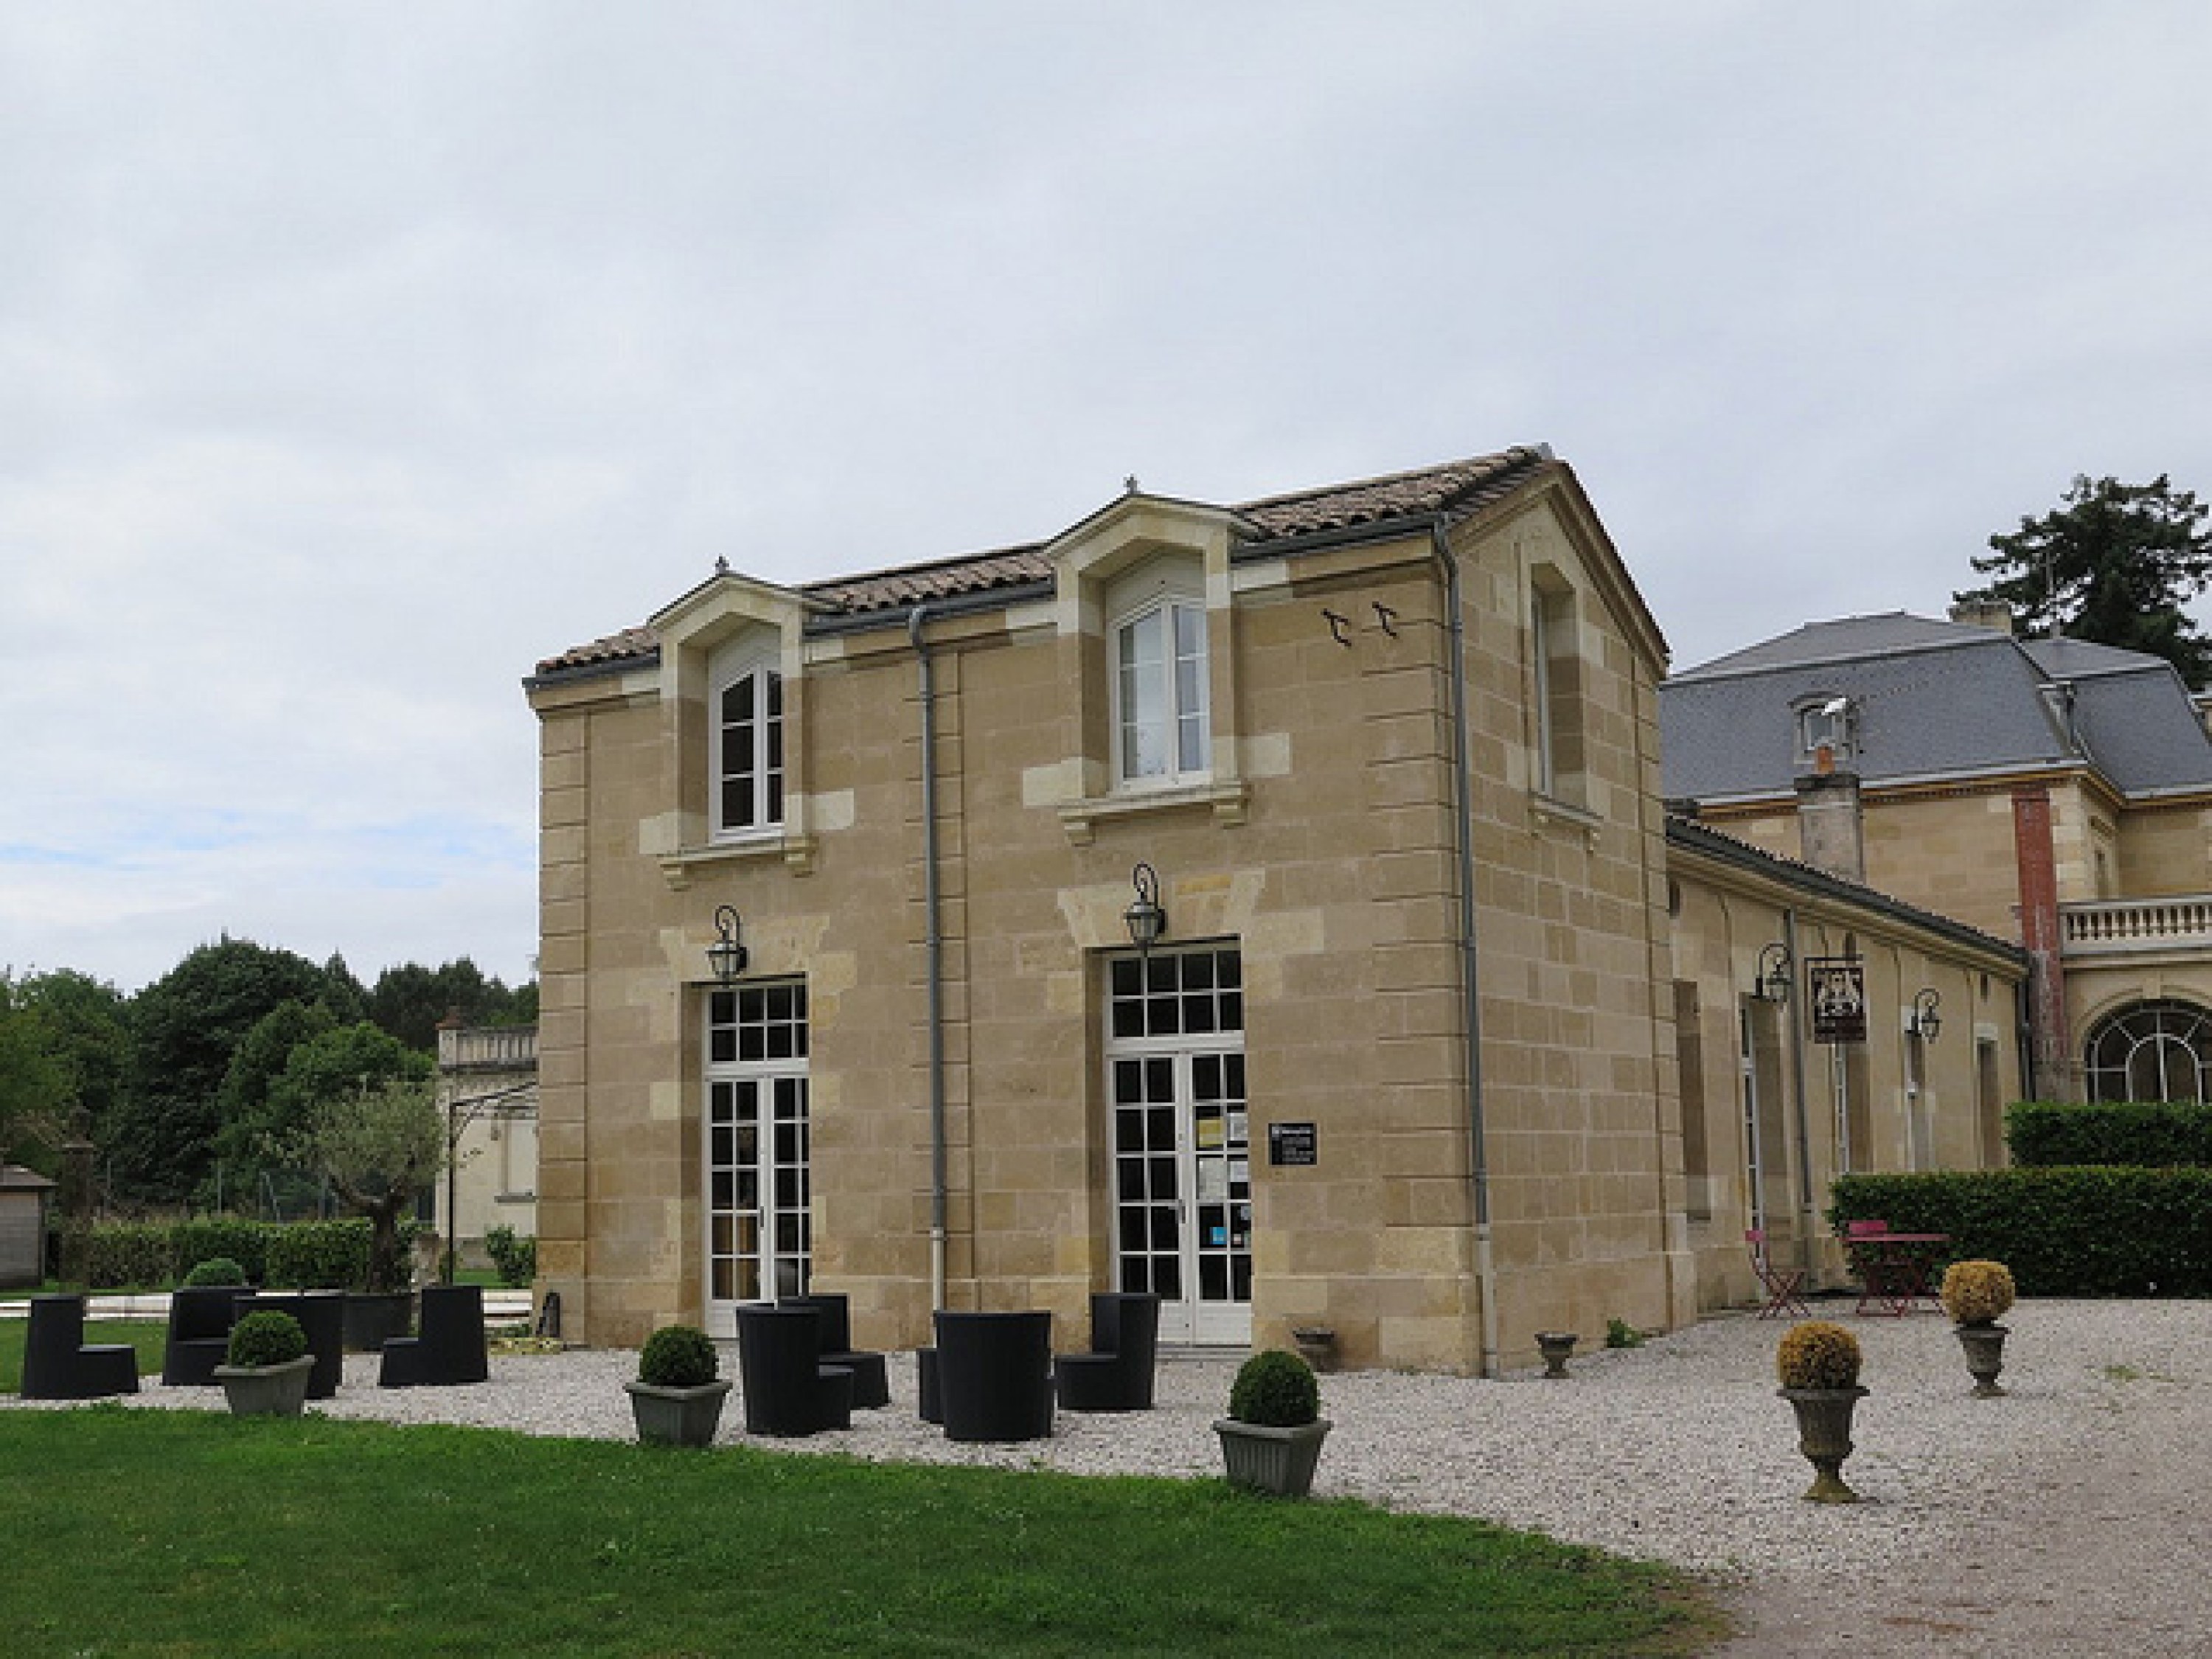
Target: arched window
(747, 738)
(2151, 1051)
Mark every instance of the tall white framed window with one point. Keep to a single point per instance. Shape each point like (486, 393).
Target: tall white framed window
(1163, 719)
(745, 762)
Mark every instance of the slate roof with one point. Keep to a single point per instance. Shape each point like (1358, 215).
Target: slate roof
(1932, 700)
(1453, 489)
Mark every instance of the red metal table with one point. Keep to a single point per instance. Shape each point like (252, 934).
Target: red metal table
(1894, 1270)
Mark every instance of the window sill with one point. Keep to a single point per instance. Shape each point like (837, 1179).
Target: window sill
(1549, 810)
(796, 851)
(1226, 801)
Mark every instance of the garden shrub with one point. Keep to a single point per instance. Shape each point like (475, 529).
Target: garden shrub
(2070, 1231)
(1977, 1292)
(1817, 1354)
(204, 1237)
(1274, 1387)
(266, 1338)
(2142, 1134)
(515, 1256)
(678, 1357)
(325, 1255)
(216, 1270)
(131, 1253)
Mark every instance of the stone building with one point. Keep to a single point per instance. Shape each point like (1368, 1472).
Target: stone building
(848, 972)
(2053, 793)
(488, 1095)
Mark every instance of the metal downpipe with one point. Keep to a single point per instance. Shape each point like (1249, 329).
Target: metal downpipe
(934, 941)
(1486, 1266)
(1808, 1207)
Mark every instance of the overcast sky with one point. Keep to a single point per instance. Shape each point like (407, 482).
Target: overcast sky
(355, 358)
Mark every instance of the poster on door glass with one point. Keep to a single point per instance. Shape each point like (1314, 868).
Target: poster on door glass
(1212, 1182)
(1209, 1133)
(1238, 1133)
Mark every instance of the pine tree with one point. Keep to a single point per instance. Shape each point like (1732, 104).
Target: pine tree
(2114, 563)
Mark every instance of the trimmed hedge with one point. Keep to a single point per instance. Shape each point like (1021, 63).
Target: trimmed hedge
(291, 1255)
(2143, 1134)
(2071, 1231)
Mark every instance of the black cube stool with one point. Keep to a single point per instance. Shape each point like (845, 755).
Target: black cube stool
(321, 1315)
(449, 1349)
(994, 1374)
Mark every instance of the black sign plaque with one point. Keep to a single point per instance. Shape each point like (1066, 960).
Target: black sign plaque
(1835, 987)
(1292, 1143)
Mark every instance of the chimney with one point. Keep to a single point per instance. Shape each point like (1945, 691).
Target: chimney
(1984, 613)
(1831, 833)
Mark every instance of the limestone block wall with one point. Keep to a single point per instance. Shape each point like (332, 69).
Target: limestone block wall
(1322, 849)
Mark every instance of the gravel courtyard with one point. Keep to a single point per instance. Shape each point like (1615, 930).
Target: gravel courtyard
(2068, 1518)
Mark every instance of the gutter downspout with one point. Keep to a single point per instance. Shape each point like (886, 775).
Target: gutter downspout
(1486, 1266)
(1808, 1211)
(934, 939)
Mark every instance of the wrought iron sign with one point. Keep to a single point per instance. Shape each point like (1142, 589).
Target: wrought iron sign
(1835, 987)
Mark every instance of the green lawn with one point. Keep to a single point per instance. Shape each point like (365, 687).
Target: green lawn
(149, 1337)
(208, 1535)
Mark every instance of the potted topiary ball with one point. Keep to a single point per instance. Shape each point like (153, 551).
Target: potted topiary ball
(1271, 1440)
(1977, 1294)
(1819, 1365)
(268, 1366)
(678, 1393)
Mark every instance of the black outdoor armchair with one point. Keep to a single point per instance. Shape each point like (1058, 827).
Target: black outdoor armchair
(787, 1389)
(58, 1365)
(871, 1378)
(200, 1318)
(449, 1347)
(321, 1315)
(1116, 1374)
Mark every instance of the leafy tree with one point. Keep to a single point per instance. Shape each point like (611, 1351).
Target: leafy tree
(410, 1000)
(378, 1144)
(60, 1049)
(250, 1121)
(2114, 564)
(158, 1138)
(33, 1086)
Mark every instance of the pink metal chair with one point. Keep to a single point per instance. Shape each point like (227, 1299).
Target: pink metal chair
(1782, 1285)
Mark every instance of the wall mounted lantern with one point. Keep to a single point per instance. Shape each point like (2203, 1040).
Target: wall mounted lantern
(726, 956)
(1926, 1022)
(1775, 968)
(1145, 919)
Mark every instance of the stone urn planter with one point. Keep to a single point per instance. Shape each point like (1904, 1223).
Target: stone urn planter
(1977, 1294)
(1557, 1348)
(1984, 1346)
(1272, 1439)
(268, 1366)
(267, 1390)
(677, 1396)
(1262, 1457)
(1818, 1363)
(1823, 1434)
(677, 1417)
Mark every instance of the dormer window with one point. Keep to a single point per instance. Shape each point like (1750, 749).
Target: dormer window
(1825, 723)
(746, 762)
(1162, 722)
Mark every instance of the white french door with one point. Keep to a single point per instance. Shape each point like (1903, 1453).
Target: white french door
(1179, 1125)
(759, 1243)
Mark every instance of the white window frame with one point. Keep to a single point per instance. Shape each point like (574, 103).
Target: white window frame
(760, 662)
(1185, 709)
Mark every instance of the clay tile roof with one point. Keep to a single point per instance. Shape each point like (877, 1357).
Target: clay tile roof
(631, 643)
(911, 585)
(1455, 486)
